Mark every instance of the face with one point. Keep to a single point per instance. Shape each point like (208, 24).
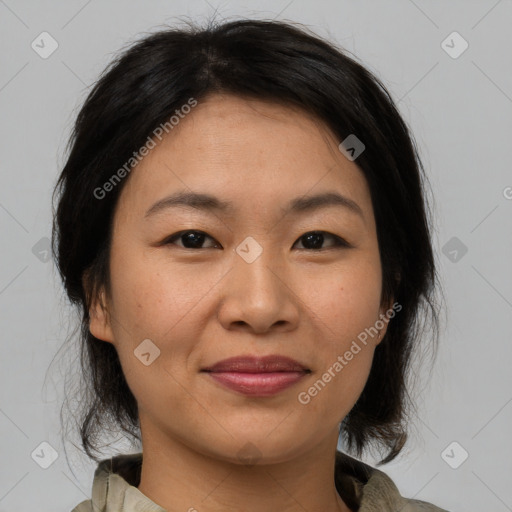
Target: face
(205, 282)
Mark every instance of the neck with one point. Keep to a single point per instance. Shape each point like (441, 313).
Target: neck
(179, 478)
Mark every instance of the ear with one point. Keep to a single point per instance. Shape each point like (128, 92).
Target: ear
(386, 313)
(99, 317)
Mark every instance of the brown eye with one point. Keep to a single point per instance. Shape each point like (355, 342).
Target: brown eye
(191, 239)
(314, 240)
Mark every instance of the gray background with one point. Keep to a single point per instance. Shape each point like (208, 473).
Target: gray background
(460, 113)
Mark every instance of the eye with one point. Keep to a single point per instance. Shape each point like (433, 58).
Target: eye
(191, 239)
(314, 239)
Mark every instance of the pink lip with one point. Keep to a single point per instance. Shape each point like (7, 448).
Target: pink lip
(255, 376)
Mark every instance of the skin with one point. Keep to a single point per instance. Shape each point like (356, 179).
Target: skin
(201, 305)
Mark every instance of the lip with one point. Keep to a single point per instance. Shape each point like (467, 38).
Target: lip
(253, 364)
(257, 376)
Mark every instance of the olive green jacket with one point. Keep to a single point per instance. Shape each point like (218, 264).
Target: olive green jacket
(362, 488)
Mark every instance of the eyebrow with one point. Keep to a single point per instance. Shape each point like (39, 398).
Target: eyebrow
(208, 202)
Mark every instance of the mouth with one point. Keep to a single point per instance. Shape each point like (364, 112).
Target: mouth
(257, 376)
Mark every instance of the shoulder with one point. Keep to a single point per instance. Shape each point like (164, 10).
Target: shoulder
(115, 487)
(368, 489)
(84, 506)
(418, 506)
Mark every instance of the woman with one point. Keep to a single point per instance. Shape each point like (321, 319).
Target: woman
(241, 223)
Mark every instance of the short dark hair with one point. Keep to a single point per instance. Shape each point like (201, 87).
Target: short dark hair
(268, 60)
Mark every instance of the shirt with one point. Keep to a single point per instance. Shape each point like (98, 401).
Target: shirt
(362, 487)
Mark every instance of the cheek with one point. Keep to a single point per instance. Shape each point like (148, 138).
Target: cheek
(150, 307)
(345, 347)
(153, 301)
(347, 305)
(150, 298)
(347, 299)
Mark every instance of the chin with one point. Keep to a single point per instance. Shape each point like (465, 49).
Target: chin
(260, 450)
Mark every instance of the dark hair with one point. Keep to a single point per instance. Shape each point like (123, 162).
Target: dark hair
(266, 60)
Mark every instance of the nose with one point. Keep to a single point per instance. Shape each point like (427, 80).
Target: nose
(259, 296)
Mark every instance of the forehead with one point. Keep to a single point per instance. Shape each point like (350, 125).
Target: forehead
(246, 151)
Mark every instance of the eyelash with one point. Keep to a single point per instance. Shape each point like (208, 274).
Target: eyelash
(340, 243)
